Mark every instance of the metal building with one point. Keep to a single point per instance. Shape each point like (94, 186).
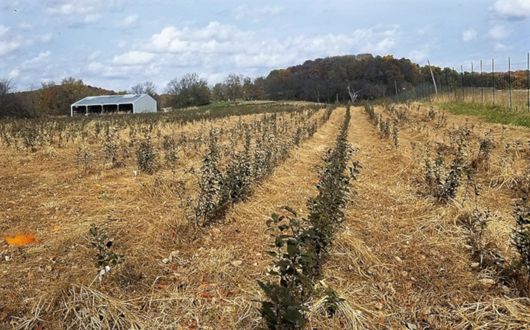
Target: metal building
(106, 104)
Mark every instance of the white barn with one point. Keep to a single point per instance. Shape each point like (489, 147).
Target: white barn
(129, 103)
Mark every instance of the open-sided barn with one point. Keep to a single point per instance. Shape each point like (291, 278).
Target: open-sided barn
(129, 103)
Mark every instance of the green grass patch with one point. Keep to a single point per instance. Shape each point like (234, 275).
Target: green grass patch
(490, 113)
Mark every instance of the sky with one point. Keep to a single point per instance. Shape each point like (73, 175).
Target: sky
(116, 44)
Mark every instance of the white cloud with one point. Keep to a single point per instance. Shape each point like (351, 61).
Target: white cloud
(37, 66)
(227, 40)
(134, 58)
(215, 50)
(419, 55)
(469, 35)
(257, 14)
(79, 12)
(7, 47)
(4, 30)
(498, 32)
(512, 9)
(94, 55)
(128, 21)
(8, 41)
(46, 37)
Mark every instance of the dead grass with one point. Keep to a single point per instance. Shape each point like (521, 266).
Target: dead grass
(400, 260)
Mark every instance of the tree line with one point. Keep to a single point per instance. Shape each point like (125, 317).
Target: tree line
(321, 80)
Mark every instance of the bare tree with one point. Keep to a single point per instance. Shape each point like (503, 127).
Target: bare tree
(145, 88)
(148, 88)
(190, 90)
(9, 105)
(234, 88)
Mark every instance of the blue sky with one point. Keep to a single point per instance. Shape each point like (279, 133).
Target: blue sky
(118, 43)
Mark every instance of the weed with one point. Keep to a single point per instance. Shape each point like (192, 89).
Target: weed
(486, 145)
(332, 302)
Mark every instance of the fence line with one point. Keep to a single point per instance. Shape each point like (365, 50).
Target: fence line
(504, 83)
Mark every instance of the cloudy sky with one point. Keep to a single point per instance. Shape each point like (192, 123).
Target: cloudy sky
(118, 43)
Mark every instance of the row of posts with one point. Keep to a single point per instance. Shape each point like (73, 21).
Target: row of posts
(510, 93)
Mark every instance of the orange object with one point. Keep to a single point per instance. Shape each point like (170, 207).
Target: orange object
(20, 240)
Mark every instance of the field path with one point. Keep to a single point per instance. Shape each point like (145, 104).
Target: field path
(219, 272)
(400, 259)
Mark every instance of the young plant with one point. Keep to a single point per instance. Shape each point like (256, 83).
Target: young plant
(284, 307)
(106, 258)
(111, 147)
(170, 148)
(83, 158)
(443, 183)
(210, 185)
(521, 234)
(395, 133)
(146, 156)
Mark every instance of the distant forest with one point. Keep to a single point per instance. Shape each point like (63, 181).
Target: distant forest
(320, 80)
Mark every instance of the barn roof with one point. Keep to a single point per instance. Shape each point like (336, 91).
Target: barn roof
(109, 99)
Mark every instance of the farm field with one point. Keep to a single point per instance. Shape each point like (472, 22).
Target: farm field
(395, 216)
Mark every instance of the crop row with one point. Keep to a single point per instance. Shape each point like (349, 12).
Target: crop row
(300, 244)
(222, 186)
(32, 134)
